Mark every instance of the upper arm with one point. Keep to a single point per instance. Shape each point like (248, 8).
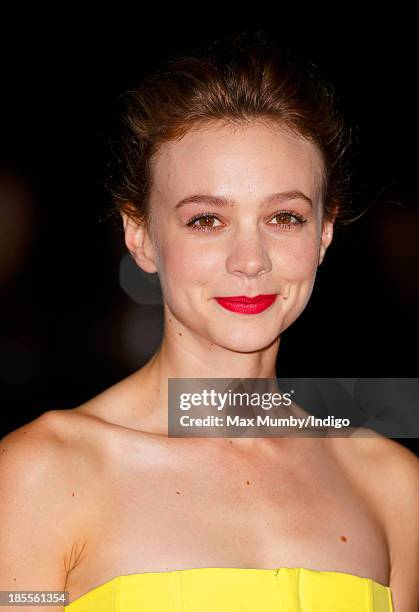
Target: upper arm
(35, 530)
(401, 503)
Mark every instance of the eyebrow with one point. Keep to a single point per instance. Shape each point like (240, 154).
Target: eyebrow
(283, 196)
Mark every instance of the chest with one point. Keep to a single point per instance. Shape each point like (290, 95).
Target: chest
(177, 511)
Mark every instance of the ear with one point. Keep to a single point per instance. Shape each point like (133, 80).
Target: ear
(139, 244)
(326, 239)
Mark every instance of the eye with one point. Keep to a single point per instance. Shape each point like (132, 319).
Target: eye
(288, 218)
(206, 224)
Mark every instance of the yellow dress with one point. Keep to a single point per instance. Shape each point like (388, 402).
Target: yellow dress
(225, 589)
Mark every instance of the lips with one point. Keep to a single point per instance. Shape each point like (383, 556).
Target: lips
(247, 305)
(247, 300)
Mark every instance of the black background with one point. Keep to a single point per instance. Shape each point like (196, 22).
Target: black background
(66, 325)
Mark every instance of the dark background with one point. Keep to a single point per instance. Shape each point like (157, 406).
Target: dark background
(67, 328)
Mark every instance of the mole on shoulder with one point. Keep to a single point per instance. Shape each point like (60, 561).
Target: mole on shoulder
(343, 538)
(177, 492)
(247, 482)
(72, 495)
(180, 333)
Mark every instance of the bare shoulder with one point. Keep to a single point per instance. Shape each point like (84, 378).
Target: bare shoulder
(47, 443)
(381, 454)
(40, 513)
(32, 448)
(387, 468)
(43, 457)
(52, 461)
(393, 466)
(390, 473)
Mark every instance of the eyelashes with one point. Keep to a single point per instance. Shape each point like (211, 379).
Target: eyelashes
(299, 220)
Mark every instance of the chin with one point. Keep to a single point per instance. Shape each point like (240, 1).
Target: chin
(242, 341)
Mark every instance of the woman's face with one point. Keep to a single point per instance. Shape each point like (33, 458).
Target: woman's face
(260, 186)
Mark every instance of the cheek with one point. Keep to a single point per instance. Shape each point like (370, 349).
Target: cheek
(186, 263)
(296, 260)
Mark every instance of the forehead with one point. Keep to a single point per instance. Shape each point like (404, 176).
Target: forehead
(237, 160)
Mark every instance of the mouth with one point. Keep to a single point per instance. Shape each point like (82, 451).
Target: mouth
(247, 305)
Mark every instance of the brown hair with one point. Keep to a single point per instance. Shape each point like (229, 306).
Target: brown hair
(239, 78)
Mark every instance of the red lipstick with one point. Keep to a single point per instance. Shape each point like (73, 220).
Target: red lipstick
(247, 305)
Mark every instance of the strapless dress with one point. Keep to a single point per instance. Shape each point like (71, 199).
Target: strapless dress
(225, 589)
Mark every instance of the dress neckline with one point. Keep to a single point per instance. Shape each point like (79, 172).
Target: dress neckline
(274, 570)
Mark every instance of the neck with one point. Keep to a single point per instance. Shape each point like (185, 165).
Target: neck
(183, 354)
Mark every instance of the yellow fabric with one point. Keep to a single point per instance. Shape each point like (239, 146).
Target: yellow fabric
(221, 589)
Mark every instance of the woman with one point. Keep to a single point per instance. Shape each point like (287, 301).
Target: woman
(233, 177)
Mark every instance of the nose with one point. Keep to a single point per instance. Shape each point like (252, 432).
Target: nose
(248, 256)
